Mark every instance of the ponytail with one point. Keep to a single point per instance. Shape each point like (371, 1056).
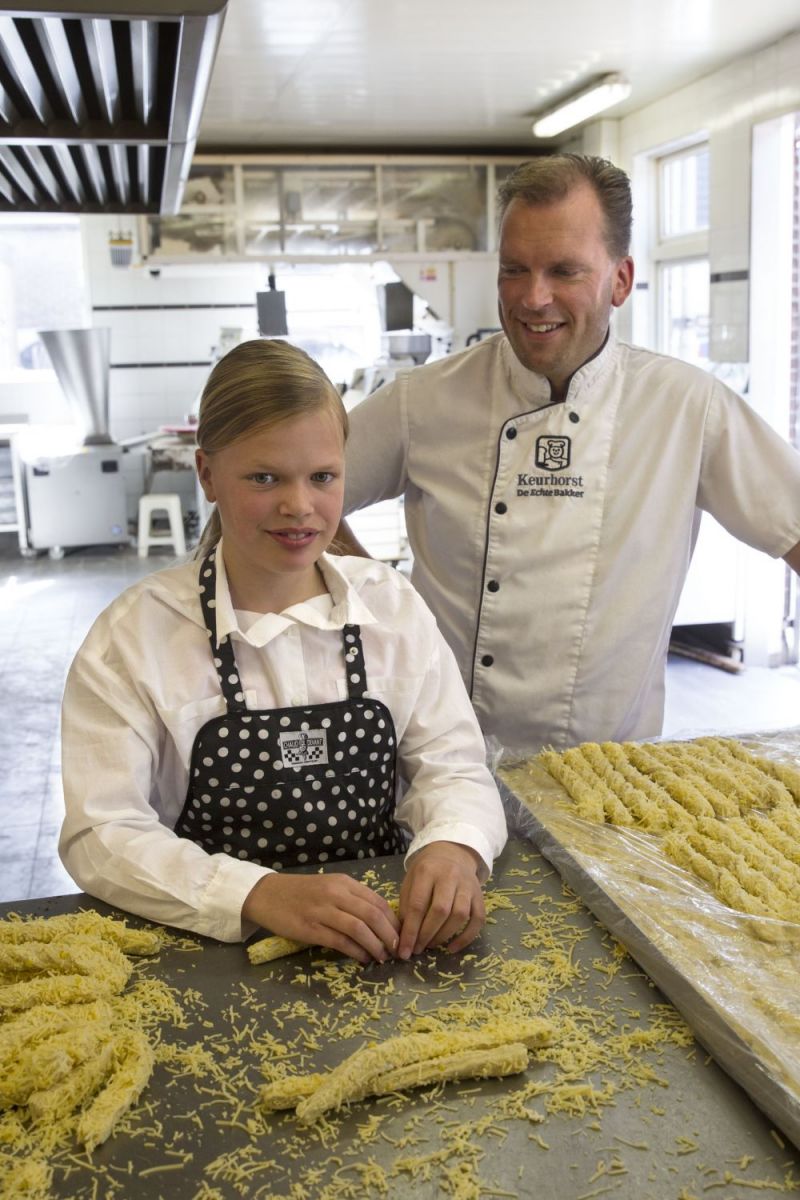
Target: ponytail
(212, 532)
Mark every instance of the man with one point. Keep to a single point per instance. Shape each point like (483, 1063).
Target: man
(552, 475)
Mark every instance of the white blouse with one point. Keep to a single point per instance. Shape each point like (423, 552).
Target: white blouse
(144, 682)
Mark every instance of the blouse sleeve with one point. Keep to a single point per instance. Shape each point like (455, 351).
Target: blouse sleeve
(114, 843)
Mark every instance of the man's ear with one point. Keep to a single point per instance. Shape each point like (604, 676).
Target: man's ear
(623, 282)
(203, 465)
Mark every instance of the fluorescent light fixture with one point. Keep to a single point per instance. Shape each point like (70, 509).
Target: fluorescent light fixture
(588, 103)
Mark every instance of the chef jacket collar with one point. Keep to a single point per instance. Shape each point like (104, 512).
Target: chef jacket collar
(533, 389)
(348, 607)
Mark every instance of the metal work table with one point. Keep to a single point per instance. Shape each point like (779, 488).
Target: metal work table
(672, 1135)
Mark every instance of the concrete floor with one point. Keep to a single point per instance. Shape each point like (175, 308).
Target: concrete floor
(46, 609)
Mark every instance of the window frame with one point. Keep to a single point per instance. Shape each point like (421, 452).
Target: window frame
(679, 248)
(662, 161)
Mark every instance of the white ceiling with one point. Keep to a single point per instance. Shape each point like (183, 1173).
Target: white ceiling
(460, 74)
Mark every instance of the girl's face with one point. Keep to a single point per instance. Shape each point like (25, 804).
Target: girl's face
(279, 494)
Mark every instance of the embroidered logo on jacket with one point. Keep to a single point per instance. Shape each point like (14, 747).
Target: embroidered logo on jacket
(552, 453)
(303, 747)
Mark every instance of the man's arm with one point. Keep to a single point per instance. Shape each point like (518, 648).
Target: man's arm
(793, 558)
(377, 447)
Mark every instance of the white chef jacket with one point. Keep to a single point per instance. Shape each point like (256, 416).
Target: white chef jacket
(552, 540)
(144, 682)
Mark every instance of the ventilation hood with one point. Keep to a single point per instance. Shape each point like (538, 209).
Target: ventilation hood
(100, 103)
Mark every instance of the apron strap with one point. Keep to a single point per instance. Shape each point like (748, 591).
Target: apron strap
(355, 667)
(224, 658)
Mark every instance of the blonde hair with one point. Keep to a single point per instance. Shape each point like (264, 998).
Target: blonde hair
(257, 385)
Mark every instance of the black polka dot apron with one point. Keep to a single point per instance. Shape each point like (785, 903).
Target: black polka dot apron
(286, 786)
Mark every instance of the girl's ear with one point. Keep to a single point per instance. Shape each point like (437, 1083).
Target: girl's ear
(204, 474)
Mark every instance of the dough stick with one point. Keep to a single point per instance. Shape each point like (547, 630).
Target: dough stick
(90, 923)
(270, 948)
(353, 1078)
(134, 1065)
(57, 1101)
(495, 1062)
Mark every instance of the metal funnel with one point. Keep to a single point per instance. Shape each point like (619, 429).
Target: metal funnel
(81, 360)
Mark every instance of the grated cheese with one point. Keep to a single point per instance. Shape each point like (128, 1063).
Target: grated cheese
(591, 1058)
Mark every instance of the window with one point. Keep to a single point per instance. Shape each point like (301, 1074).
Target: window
(260, 207)
(332, 312)
(680, 255)
(434, 208)
(683, 310)
(43, 285)
(683, 192)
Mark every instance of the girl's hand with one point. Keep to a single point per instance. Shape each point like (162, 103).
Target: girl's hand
(441, 899)
(325, 910)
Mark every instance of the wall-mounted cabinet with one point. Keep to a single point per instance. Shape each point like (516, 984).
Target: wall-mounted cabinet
(240, 209)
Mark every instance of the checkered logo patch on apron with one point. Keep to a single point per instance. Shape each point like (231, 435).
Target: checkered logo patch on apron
(303, 747)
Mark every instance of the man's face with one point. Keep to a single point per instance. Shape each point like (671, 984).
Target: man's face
(557, 283)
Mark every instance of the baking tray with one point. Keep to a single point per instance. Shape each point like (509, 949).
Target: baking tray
(732, 976)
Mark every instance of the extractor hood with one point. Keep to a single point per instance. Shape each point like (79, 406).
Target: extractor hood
(100, 103)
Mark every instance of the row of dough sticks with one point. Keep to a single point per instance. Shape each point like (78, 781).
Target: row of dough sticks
(64, 1048)
(729, 816)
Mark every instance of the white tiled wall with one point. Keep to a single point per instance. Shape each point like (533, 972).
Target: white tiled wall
(164, 327)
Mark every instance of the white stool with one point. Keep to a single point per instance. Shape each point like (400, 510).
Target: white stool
(170, 503)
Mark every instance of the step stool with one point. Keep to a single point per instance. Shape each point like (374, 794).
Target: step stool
(170, 503)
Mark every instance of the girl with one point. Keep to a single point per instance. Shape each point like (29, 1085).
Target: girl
(247, 712)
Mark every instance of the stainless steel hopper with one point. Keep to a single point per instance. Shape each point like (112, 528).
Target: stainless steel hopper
(81, 359)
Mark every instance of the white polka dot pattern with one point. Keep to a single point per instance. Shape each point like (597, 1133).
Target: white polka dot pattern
(283, 806)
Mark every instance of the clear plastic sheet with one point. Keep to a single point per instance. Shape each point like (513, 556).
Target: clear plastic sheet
(734, 977)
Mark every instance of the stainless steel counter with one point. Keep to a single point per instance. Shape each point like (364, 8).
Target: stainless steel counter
(674, 1126)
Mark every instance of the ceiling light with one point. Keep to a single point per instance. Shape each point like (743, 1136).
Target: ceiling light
(608, 90)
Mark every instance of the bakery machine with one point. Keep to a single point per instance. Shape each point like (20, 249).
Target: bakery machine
(73, 490)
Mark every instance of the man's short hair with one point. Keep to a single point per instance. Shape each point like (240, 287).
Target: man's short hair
(550, 178)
